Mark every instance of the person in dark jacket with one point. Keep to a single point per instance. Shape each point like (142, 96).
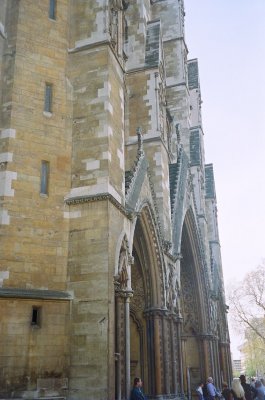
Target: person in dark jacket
(250, 391)
(136, 393)
(226, 392)
(260, 390)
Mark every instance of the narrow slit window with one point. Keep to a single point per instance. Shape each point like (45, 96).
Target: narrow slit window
(48, 98)
(52, 9)
(36, 316)
(45, 170)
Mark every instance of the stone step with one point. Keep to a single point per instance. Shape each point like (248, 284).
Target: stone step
(36, 398)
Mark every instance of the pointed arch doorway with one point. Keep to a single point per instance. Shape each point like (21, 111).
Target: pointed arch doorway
(193, 308)
(140, 302)
(131, 353)
(138, 337)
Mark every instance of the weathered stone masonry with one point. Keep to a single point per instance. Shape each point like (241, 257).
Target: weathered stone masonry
(110, 263)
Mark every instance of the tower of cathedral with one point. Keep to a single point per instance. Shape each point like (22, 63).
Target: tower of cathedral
(110, 263)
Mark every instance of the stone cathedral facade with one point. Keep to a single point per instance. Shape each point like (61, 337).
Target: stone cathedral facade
(110, 263)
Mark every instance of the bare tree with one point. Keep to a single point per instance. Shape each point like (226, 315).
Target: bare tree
(247, 302)
(253, 350)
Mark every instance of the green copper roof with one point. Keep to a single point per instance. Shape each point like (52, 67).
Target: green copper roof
(193, 74)
(209, 182)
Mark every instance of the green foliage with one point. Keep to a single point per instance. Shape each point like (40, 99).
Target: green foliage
(250, 371)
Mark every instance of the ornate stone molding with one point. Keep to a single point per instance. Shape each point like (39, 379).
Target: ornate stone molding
(224, 344)
(206, 336)
(176, 317)
(156, 1)
(124, 293)
(156, 312)
(167, 245)
(130, 260)
(99, 197)
(136, 173)
(157, 236)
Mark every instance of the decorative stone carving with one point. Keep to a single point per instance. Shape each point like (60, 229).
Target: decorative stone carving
(117, 23)
(182, 14)
(213, 317)
(2, 31)
(173, 289)
(189, 307)
(114, 27)
(135, 177)
(123, 273)
(121, 280)
(138, 300)
(140, 141)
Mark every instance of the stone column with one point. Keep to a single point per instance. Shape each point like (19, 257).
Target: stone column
(206, 355)
(155, 317)
(123, 329)
(223, 361)
(128, 294)
(127, 345)
(183, 373)
(212, 365)
(229, 363)
(173, 335)
(180, 349)
(157, 354)
(119, 304)
(166, 355)
(216, 362)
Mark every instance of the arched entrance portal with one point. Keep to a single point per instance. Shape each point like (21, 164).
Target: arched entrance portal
(193, 312)
(145, 306)
(140, 315)
(140, 302)
(137, 323)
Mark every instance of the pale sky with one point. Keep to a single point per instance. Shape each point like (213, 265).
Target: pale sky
(228, 38)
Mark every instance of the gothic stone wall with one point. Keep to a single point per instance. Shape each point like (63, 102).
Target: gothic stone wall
(34, 244)
(34, 228)
(92, 260)
(27, 351)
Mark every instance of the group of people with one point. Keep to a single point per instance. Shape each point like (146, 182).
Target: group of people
(239, 390)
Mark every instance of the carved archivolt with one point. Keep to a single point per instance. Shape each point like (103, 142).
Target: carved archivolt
(189, 306)
(148, 223)
(138, 299)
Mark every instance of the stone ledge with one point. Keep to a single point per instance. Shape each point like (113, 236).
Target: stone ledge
(36, 398)
(34, 294)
